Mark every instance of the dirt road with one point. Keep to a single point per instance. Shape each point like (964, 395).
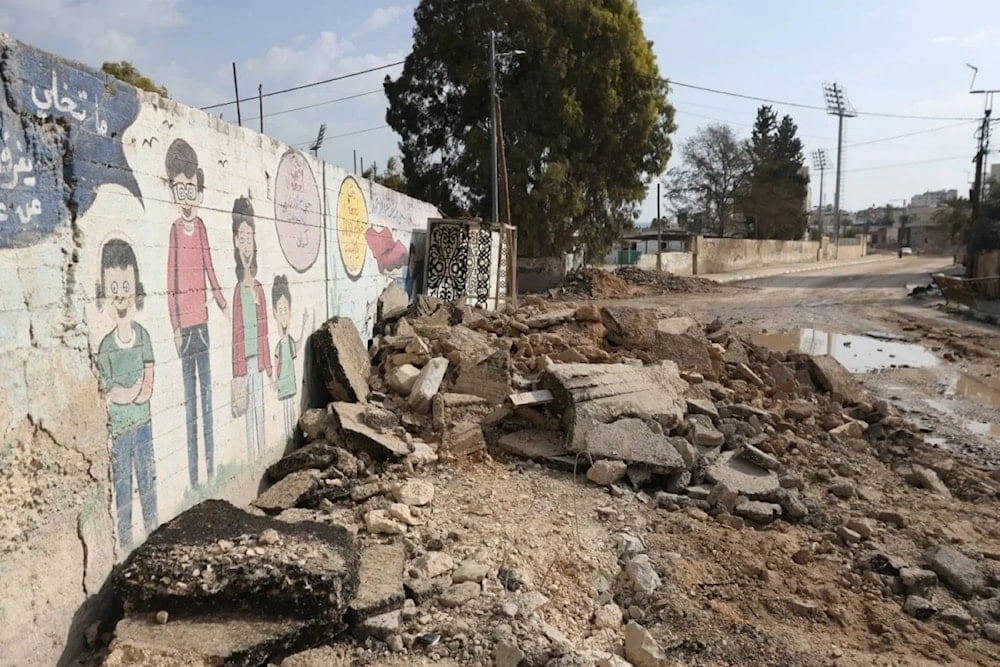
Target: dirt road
(943, 369)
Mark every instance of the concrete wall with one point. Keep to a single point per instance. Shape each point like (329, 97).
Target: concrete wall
(713, 255)
(539, 274)
(161, 269)
(677, 263)
(854, 248)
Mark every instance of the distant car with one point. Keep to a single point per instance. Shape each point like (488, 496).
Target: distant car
(905, 251)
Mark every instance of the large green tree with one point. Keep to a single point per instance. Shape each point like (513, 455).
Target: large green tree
(128, 73)
(585, 118)
(775, 198)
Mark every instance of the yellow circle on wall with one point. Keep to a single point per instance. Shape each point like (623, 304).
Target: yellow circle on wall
(352, 223)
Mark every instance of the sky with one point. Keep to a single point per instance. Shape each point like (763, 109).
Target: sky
(903, 57)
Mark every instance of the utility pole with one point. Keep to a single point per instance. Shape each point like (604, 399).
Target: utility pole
(494, 179)
(659, 231)
(820, 164)
(236, 87)
(838, 105)
(979, 181)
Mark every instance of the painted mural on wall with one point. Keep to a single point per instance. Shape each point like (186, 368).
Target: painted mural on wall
(77, 111)
(125, 362)
(286, 351)
(202, 385)
(251, 350)
(189, 264)
(352, 224)
(298, 214)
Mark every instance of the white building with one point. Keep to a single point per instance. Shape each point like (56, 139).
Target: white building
(933, 198)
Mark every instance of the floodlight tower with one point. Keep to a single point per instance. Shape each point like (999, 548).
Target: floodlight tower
(820, 164)
(838, 105)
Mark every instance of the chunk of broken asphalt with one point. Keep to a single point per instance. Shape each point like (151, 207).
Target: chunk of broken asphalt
(210, 558)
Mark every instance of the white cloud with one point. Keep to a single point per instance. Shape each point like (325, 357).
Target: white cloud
(98, 30)
(313, 61)
(977, 38)
(382, 17)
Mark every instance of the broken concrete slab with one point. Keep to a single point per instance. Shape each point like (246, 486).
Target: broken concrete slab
(702, 406)
(401, 378)
(214, 557)
(542, 446)
(631, 328)
(463, 439)
(961, 573)
(359, 436)
(701, 432)
(392, 302)
(342, 359)
(607, 472)
(688, 352)
(381, 626)
(470, 346)
(287, 492)
(677, 326)
(591, 394)
(317, 455)
(314, 423)
(633, 441)
(380, 581)
(742, 476)
(458, 418)
(550, 318)
(427, 384)
(488, 378)
(829, 374)
(216, 639)
(758, 511)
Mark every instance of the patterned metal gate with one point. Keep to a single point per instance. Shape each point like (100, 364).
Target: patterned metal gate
(471, 261)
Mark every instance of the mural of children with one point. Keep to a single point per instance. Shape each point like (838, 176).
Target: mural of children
(125, 364)
(287, 349)
(189, 262)
(251, 350)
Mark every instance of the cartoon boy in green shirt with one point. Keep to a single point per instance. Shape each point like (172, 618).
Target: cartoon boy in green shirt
(125, 363)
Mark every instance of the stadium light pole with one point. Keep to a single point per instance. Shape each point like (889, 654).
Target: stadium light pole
(838, 105)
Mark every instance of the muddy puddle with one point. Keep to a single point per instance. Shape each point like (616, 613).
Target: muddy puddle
(857, 353)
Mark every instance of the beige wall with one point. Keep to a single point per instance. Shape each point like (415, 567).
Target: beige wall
(677, 263)
(714, 255)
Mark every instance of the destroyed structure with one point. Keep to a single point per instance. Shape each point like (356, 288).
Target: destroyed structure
(339, 556)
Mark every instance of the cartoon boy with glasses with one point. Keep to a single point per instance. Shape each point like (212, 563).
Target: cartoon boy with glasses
(189, 263)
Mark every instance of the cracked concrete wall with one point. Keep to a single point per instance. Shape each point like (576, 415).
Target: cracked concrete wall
(161, 270)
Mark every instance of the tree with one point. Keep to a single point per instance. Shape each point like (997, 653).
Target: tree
(585, 117)
(127, 72)
(954, 215)
(705, 190)
(777, 186)
(392, 177)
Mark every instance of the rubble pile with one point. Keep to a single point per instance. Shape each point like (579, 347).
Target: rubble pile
(691, 423)
(626, 281)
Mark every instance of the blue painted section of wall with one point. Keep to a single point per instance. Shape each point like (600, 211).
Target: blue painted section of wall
(61, 127)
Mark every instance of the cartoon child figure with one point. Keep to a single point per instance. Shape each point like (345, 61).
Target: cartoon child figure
(125, 364)
(189, 263)
(287, 349)
(251, 350)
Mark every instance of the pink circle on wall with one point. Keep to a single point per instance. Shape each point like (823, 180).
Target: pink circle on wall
(298, 215)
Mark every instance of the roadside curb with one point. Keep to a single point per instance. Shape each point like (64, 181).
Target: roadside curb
(819, 266)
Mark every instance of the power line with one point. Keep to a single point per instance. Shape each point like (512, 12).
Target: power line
(349, 134)
(813, 107)
(317, 104)
(306, 85)
(908, 134)
(907, 164)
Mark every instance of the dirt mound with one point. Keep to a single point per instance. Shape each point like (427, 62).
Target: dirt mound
(633, 275)
(596, 283)
(629, 281)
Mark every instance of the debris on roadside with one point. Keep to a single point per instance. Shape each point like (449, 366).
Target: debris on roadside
(661, 414)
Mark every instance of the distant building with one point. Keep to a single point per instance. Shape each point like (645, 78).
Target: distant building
(932, 198)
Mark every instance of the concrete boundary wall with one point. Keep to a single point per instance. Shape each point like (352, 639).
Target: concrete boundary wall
(714, 255)
(161, 269)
